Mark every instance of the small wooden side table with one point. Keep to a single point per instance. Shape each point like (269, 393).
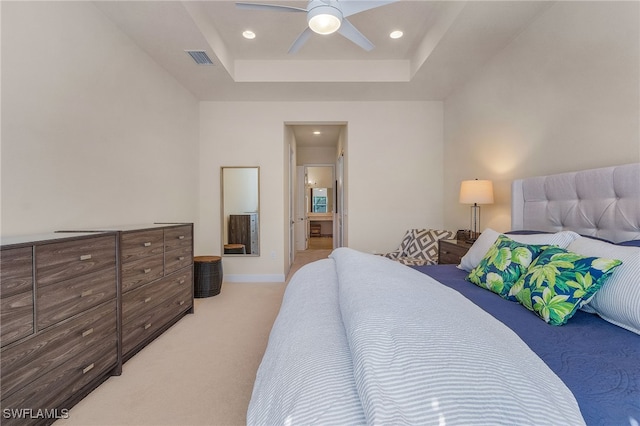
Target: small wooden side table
(451, 251)
(207, 279)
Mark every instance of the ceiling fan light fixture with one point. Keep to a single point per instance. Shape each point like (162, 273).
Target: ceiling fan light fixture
(324, 19)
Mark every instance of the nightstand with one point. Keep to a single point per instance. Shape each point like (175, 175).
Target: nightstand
(451, 251)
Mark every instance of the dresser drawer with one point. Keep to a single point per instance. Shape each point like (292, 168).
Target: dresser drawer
(62, 261)
(142, 271)
(177, 259)
(16, 266)
(25, 361)
(50, 390)
(175, 238)
(142, 300)
(141, 244)
(16, 317)
(62, 300)
(141, 327)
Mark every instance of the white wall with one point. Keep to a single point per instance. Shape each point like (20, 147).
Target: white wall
(94, 133)
(563, 96)
(394, 180)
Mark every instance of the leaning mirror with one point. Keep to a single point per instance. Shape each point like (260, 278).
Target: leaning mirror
(240, 211)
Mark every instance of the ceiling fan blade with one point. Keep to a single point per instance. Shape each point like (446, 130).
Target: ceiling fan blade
(349, 31)
(271, 7)
(351, 7)
(302, 39)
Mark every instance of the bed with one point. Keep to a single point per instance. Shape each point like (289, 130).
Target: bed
(361, 339)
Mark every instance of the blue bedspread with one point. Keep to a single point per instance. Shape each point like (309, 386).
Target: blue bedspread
(598, 361)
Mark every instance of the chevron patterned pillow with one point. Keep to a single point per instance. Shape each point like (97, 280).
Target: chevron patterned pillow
(423, 243)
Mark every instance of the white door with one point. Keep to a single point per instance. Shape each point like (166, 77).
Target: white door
(292, 212)
(301, 214)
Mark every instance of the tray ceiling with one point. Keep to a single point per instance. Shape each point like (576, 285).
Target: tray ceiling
(444, 43)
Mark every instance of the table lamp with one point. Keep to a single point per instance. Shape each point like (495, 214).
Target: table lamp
(476, 192)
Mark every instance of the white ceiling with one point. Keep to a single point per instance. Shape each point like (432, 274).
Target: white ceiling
(327, 137)
(444, 43)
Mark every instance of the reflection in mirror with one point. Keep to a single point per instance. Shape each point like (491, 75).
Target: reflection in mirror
(240, 211)
(320, 200)
(320, 185)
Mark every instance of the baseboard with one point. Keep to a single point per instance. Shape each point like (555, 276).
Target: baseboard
(249, 278)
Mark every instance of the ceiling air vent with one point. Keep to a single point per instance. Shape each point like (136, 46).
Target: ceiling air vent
(200, 56)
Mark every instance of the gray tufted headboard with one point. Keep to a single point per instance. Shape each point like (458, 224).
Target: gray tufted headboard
(603, 202)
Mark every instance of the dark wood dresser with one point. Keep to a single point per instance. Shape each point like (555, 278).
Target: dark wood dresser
(59, 329)
(243, 229)
(157, 281)
(77, 304)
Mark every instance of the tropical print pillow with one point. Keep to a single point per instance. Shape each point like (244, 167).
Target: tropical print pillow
(559, 282)
(505, 262)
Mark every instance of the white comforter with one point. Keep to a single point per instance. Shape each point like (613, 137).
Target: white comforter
(361, 339)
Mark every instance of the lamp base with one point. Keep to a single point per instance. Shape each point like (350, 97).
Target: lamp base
(466, 235)
(475, 221)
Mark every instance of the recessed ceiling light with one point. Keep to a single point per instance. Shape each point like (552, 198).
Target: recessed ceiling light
(250, 35)
(396, 34)
(317, 132)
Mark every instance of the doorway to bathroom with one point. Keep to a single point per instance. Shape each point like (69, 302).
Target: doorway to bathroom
(316, 186)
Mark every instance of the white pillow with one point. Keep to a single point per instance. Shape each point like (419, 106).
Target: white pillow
(618, 301)
(489, 236)
(479, 248)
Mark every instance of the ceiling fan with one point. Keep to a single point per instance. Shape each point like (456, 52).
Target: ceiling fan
(326, 17)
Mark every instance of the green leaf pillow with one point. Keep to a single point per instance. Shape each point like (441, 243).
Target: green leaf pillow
(503, 265)
(559, 282)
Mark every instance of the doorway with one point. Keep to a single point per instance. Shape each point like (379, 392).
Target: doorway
(316, 171)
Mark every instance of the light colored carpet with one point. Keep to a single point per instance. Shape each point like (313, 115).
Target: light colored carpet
(201, 371)
(306, 256)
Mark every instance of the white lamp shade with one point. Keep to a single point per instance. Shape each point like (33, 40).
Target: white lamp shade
(324, 19)
(476, 192)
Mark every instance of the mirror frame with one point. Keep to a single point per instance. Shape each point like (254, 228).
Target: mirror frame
(254, 252)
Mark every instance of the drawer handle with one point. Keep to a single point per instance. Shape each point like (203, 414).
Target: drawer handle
(146, 271)
(88, 368)
(181, 258)
(147, 244)
(86, 293)
(87, 332)
(181, 237)
(181, 281)
(181, 302)
(85, 257)
(147, 326)
(147, 300)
